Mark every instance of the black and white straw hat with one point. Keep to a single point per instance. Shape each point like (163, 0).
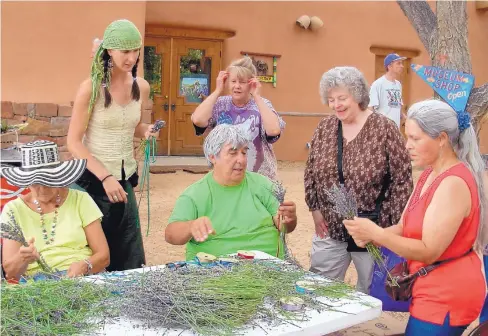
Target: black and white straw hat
(41, 165)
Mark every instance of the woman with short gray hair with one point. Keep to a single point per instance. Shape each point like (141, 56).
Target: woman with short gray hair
(443, 224)
(365, 152)
(236, 136)
(230, 208)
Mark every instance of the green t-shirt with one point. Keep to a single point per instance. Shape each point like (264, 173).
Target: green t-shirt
(70, 244)
(242, 215)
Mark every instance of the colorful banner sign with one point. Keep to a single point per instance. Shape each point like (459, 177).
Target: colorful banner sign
(265, 79)
(453, 86)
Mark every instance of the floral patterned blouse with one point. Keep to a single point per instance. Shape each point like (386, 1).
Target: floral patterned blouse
(378, 148)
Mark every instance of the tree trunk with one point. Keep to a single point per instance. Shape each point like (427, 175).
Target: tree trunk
(445, 37)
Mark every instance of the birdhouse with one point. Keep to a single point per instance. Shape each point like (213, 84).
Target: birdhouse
(303, 21)
(315, 23)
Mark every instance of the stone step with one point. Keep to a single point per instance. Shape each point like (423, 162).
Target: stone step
(170, 164)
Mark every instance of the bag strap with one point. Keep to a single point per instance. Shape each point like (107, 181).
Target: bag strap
(339, 153)
(386, 183)
(423, 271)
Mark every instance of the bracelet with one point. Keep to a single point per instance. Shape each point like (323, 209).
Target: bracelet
(106, 177)
(90, 266)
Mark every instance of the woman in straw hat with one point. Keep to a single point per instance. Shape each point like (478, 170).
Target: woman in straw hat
(60, 223)
(106, 117)
(244, 106)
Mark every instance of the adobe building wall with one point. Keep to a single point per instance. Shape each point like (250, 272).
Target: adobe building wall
(350, 29)
(46, 48)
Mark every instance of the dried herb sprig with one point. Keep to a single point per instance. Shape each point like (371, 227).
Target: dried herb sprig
(345, 205)
(11, 230)
(216, 300)
(53, 307)
(344, 201)
(279, 193)
(207, 300)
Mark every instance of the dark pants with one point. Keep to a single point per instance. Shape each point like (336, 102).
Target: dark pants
(120, 224)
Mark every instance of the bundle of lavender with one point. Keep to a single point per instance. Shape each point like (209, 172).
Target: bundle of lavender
(346, 206)
(217, 301)
(11, 230)
(279, 193)
(63, 307)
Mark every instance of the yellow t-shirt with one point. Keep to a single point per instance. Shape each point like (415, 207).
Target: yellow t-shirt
(70, 244)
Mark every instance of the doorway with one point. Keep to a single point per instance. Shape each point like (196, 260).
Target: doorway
(181, 66)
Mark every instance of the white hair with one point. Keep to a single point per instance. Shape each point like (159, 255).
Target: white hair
(225, 134)
(347, 77)
(434, 117)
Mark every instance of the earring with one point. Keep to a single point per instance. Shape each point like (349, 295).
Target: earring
(110, 63)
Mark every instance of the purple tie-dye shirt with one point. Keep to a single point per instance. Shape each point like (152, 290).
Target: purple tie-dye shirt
(260, 156)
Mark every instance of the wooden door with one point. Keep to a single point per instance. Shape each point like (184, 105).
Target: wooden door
(157, 61)
(195, 66)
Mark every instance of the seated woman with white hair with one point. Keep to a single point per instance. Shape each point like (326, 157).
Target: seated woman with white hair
(61, 224)
(443, 222)
(230, 208)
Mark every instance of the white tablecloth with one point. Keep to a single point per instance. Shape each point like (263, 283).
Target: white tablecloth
(353, 311)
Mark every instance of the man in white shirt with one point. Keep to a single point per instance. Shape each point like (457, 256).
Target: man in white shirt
(385, 95)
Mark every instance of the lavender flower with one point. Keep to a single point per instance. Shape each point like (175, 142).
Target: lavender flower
(344, 201)
(11, 230)
(279, 191)
(346, 206)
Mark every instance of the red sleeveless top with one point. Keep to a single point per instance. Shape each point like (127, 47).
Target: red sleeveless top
(458, 287)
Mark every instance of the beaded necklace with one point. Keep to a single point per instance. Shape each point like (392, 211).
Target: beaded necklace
(45, 235)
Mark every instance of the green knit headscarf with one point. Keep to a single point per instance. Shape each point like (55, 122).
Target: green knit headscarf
(119, 35)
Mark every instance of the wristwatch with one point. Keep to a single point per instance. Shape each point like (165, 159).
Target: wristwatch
(90, 266)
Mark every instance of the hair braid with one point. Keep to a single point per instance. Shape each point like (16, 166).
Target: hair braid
(136, 93)
(106, 71)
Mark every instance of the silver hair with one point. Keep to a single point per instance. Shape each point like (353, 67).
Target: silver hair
(234, 135)
(347, 77)
(434, 117)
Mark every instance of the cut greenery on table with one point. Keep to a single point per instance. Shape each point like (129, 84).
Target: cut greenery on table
(209, 300)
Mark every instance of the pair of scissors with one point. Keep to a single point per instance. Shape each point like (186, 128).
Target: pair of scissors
(176, 265)
(158, 125)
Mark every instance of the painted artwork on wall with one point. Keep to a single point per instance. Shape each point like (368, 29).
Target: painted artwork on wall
(194, 87)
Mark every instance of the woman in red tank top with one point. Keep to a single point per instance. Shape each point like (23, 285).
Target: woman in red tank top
(443, 219)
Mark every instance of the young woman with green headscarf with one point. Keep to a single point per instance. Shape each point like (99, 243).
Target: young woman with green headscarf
(106, 118)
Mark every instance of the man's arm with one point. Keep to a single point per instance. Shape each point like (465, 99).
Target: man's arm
(374, 97)
(180, 233)
(184, 223)
(288, 213)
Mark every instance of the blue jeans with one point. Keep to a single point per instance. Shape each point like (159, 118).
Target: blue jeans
(416, 327)
(484, 311)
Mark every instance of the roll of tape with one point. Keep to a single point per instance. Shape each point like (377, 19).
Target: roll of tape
(245, 254)
(292, 303)
(205, 257)
(305, 287)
